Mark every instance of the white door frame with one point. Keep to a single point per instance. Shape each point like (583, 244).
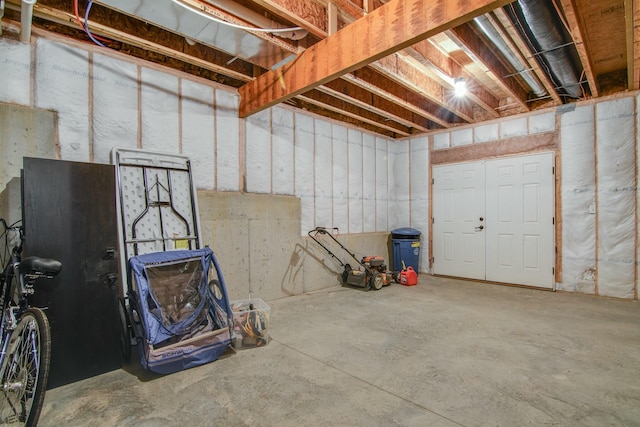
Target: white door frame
(518, 215)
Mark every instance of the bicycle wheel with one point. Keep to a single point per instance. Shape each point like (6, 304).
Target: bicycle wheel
(24, 379)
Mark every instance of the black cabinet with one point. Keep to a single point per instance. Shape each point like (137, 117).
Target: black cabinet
(69, 214)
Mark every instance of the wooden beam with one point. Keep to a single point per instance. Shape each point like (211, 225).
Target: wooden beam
(327, 101)
(332, 18)
(191, 55)
(306, 14)
(378, 82)
(402, 22)
(635, 72)
(314, 107)
(503, 22)
(349, 8)
(629, 19)
(413, 78)
(354, 94)
(576, 33)
(475, 93)
(478, 50)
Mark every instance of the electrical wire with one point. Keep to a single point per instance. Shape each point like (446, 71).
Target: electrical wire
(84, 24)
(230, 24)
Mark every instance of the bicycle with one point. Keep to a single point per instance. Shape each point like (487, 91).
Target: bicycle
(25, 335)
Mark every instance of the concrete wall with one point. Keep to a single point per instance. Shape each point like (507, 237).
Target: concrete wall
(256, 239)
(24, 132)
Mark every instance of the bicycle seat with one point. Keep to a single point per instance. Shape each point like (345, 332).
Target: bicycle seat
(34, 264)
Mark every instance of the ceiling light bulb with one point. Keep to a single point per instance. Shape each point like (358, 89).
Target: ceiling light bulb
(459, 87)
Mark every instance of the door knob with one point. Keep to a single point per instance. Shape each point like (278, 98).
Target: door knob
(480, 228)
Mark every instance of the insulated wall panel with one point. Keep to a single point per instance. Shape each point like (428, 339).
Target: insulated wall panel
(486, 133)
(304, 170)
(198, 131)
(514, 127)
(382, 166)
(615, 124)
(282, 146)
(62, 84)
(340, 179)
(323, 166)
(227, 141)
(399, 197)
(115, 106)
(258, 133)
(369, 182)
(419, 161)
(461, 137)
(15, 61)
(441, 140)
(159, 104)
(542, 122)
(355, 181)
(577, 135)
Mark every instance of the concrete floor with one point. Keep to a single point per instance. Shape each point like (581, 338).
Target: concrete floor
(442, 353)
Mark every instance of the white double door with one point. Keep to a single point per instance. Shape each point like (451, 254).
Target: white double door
(494, 220)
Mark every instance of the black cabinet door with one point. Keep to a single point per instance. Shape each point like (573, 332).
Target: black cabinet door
(70, 215)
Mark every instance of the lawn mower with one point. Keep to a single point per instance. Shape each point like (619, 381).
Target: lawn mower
(371, 272)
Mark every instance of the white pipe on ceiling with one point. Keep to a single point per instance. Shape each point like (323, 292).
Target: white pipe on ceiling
(256, 19)
(26, 18)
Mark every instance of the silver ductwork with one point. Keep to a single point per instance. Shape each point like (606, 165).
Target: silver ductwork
(545, 33)
(490, 31)
(195, 27)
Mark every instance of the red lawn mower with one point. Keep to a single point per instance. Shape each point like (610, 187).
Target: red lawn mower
(371, 272)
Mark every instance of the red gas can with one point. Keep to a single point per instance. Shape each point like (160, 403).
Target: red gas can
(408, 277)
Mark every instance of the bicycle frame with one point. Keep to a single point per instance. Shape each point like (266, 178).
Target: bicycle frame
(25, 346)
(11, 310)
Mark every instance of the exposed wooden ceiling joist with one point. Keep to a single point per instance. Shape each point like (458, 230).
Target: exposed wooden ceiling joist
(349, 92)
(635, 71)
(575, 27)
(306, 14)
(473, 45)
(332, 103)
(398, 94)
(404, 22)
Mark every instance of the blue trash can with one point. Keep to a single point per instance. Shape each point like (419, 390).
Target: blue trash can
(405, 244)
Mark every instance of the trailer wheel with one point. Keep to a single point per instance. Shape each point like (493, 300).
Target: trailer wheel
(376, 281)
(125, 331)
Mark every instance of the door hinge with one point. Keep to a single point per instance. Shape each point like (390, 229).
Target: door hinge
(433, 180)
(553, 170)
(433, 220)
(553, 220)
(553, 270)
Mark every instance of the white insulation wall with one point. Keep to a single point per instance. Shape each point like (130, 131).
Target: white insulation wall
(599, 164)
(343, 176)
(599, 196)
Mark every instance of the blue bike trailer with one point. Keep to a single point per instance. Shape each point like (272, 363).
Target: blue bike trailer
(182, 302)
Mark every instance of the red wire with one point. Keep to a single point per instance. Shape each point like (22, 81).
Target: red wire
(75, 10)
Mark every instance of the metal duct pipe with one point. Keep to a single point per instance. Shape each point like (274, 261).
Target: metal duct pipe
(492, 34)
(26, 17)
(549, 39)
(256, 19)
